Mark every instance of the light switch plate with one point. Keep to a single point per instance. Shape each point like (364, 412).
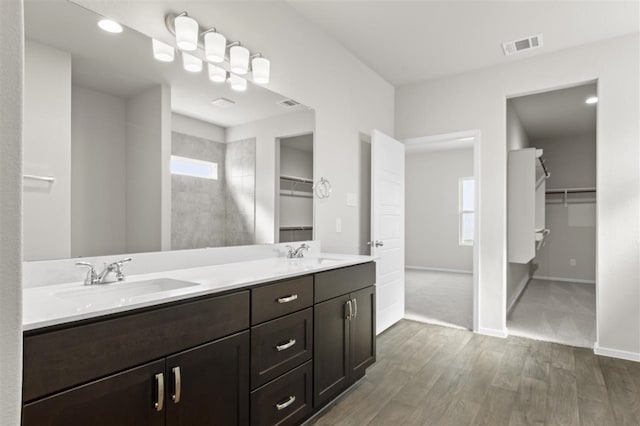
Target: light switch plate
(352, 199)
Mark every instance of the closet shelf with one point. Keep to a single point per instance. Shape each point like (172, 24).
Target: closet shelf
(570, 190)
(296, 228)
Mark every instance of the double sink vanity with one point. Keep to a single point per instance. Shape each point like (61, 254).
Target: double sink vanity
(261, 342)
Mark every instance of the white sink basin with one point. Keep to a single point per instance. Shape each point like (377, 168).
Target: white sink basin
(121, 292)
(317, 260)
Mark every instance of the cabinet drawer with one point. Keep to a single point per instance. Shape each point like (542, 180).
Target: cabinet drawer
(279, 345)
(276, 300)
(284, 401)
(341, 281)
(60, 359)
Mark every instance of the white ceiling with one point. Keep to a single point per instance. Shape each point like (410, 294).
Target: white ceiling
(557, 114)
(409, 41)
(123, 65)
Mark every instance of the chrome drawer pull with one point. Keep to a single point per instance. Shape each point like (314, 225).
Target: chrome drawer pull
(350, 306)
(355, 308)
(287, 345)
(288, 298)
(178, 382)
(160, 384)
(286, 404)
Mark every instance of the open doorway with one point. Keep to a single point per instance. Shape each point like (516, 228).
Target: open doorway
(551, 286)
(441, 195)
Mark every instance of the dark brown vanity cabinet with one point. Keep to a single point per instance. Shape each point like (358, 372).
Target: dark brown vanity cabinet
(344, 337)
(270, 355)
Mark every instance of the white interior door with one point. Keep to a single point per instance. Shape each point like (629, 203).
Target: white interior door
(387, 227)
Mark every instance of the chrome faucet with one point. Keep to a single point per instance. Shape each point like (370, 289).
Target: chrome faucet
(296, 253)
(102, 278)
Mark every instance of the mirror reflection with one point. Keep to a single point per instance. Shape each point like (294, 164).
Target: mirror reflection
(124, 153)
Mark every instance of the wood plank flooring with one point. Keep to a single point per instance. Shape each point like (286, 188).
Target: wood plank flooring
(431, 375)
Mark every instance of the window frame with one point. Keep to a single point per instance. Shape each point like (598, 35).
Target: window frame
(211, 164)
(462, 212)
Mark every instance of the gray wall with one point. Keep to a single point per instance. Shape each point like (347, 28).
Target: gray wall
(11, 84)
(517, 274)
(432, 206)
(98, 173)
(147, 146)
(47, 152)
(572, 163)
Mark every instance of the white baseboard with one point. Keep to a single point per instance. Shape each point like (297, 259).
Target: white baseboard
(426, 268)
(568, 280)
(616, 353)
(518, 292)
(504, 333)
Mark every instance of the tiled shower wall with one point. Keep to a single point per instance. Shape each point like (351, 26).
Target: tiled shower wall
(213, 213)
(240, 194)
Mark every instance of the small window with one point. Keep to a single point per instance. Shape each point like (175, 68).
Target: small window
(466, 210)
(192, 167)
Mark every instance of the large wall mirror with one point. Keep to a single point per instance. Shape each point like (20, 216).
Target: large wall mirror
(127, 154)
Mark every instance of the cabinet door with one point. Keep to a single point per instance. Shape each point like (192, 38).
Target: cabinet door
(209, 384)
(362, 332)
(331, 349)
(124, 399)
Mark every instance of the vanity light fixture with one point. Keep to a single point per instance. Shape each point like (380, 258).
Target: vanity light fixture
(239, 59)
(110, 26)
(217, 74)
(191, 63)
(260, 68)
(186, 29)
(591, 100)
(238, 83)
(215, 46)
(162, 51)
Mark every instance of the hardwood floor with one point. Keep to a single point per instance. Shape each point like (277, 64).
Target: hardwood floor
(431, 375)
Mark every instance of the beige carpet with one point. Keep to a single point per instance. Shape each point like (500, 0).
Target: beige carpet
(444, 298)
(554, 311)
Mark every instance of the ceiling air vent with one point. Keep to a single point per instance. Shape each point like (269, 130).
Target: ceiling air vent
(223, 102)
(518, 46)
(288, 103)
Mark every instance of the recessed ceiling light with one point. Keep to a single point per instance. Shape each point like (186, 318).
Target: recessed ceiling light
(591, 100)
(110, 26)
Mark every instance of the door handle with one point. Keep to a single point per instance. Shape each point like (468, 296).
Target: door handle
(288, 298)
(350, 314)
(285, 404)
(159, 404)
(378, 243)
(355, 308)
(177, 379)
(287, 345)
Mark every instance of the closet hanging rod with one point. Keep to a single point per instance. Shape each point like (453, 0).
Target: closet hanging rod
(570, 191)
(296, 228)
(49, 179)
(296, 179)
(544, 167)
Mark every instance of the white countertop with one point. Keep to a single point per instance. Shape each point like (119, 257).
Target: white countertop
(46, 306)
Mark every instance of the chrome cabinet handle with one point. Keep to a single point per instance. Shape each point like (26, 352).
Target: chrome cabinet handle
(285, 404)
(160, 385)
(178, 383)
(287, 345)
(355, 308)
(288, 298)
(350, 314)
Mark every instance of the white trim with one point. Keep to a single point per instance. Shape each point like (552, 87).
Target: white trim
(428, 268)
(616, 353)
(518, 292)
(568, 280)
(425, 320)
(504, 333)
